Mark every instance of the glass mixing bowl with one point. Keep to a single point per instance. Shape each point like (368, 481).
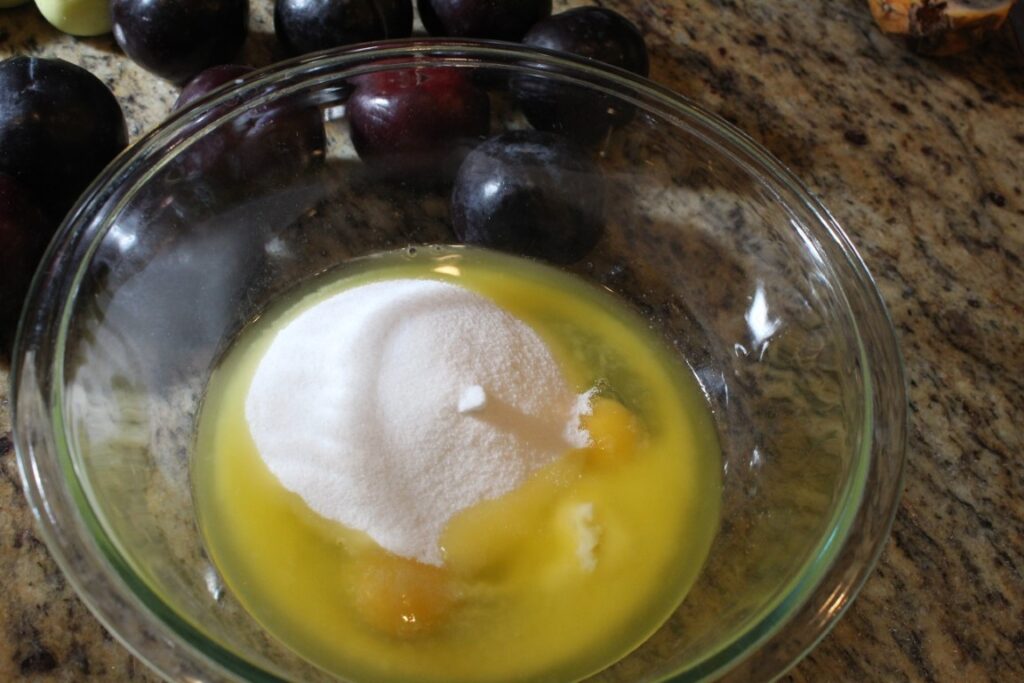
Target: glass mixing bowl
(191, 233)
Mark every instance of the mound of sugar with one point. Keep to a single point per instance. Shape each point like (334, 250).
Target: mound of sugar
(392, 406)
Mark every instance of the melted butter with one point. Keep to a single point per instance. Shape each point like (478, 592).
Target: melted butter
(552, 582)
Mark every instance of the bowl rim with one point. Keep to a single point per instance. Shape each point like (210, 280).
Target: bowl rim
(178, 650)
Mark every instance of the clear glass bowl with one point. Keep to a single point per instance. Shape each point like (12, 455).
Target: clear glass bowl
(708, 237)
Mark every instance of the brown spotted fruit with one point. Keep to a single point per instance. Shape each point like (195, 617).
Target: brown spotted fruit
(941, 27)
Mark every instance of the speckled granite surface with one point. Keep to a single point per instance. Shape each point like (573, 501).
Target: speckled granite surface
(922, 161)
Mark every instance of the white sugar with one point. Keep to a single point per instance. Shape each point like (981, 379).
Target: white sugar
(393, 406)
(473, 399)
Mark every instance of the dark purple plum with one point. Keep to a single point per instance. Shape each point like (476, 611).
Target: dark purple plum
(258, 149)
(310, 25)
(530, 193)
(208, 80)
(59, 126)
(176, 39)
(495, 19)
(24, 232)
(417, 121)
(595, 33)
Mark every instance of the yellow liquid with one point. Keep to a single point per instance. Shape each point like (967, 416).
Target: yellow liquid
(552, 582)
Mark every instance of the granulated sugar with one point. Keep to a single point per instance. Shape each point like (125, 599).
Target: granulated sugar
(392, 406)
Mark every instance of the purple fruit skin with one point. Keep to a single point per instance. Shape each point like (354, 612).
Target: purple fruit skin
(417, 122)
(304, 26)
(24, 233)
(207, 81)
(595, 33)
(258, 149)
(493, 19)
(59, 126)
(530, 193)
(176, 39)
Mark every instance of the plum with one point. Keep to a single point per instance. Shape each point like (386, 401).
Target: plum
(596, 33)
(176, 39)
(530, 193)
(257, 149)
(417, 122)
(593, 32)
(59, 126)
(310, 25)
(24, 232)
(207, 81)
(495, 19)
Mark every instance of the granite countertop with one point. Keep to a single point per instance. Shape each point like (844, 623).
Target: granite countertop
(921, 160)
